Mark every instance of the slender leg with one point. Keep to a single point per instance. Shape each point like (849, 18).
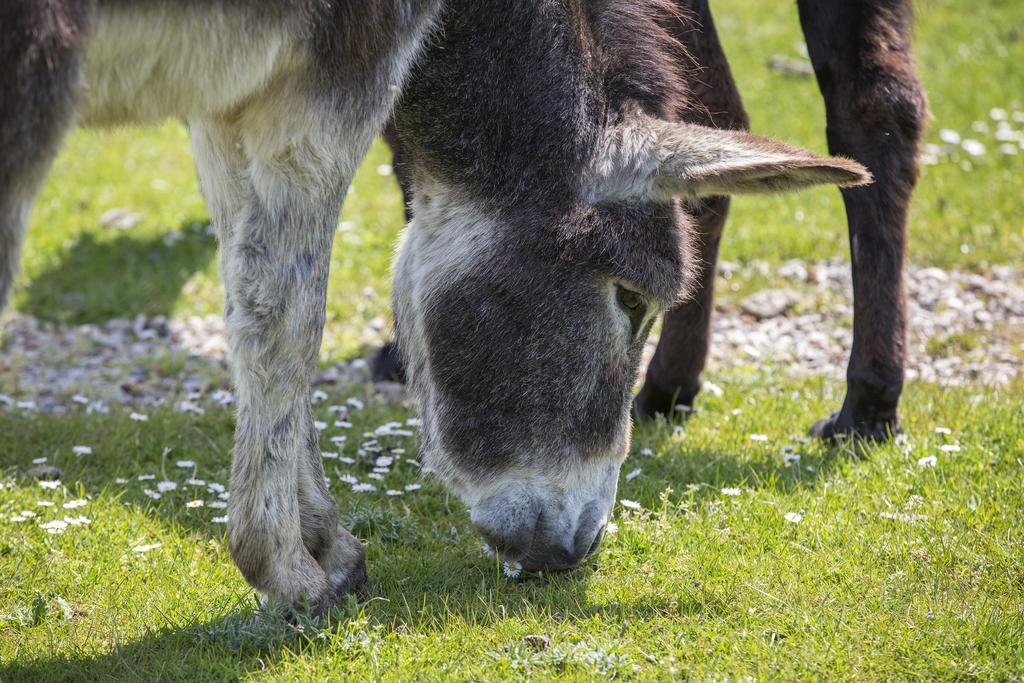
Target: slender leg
(875, 110)
(673, 377)
(387, 365)
(275, 198)
(41, 53)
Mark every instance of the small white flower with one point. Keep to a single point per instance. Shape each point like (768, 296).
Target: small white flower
(150, 493)
(376, 475)
(196, 482)
(77, 503)
(38, 461)
(949, 136)
(165, 486)
(973, 147)
(413, 487)
(27, 514)
(120, 480)
(338, 440)
(791, 458)
(26, 405)
(355, 403)
(194, 504)
(383, 461)
(488, 551)
(512, 569)
(363, 488)
(382, 470)
(190, 407)
(394, 492)
(342, 424)
(217, 505)
(78, 398)
(82, 450)
(611, 528)
(347, 460)
(794, 517)
(647, 452)
(328, 455)
(220, 520)
(320, 426)
(223, 495)
(758, 437)
(215, 487)
(677, 430)
(927, 461)
(139, 417)
(51, 485)
(57, 526)
(997, 114)
(44, 503)
(943, 430)
(950, 448)
(348, 479)
(731, 492)
(76, 521)
(185, 464)
(414, 422)
(629, 504)
(146, 548)
(146, 477)
(318, 396)
(634, 474)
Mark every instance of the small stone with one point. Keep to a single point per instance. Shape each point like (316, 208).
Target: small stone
(120, 219)
(44, 473)
(537, 642)
(769, 303)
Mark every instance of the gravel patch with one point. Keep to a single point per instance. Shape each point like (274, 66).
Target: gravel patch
(965, 328)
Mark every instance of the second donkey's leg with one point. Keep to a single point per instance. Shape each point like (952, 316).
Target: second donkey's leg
(875, 109)
(673, 377)
(275, 198)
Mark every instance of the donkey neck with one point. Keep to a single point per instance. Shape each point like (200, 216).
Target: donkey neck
(506, 102)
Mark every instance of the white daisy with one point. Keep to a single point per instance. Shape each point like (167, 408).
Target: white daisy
(927, 461)
(194, 504)
(77, 503)
(51, 485)
(634, 474)
(146, 548)
(185, 464)
(139, 417)
(512, 569)
(794, 517)
(82, 450)
(731, 492)
(629, 504)
(165, 486)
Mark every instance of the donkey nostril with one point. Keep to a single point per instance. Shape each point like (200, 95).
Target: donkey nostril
(597, 541)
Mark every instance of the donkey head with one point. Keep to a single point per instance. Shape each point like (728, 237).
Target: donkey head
(549, 232)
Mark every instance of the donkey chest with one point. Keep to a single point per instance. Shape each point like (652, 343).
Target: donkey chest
(153, 60)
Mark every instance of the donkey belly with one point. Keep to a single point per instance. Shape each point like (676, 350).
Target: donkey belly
(181, 59)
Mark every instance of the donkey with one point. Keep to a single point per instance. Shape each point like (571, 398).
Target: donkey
(875, 109)
(548, 164)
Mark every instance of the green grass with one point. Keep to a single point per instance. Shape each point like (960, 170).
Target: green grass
(697, 583)
(896, 570)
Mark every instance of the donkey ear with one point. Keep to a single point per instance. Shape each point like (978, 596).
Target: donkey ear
(654, 160)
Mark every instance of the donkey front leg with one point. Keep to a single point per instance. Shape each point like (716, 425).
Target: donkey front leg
(673, 377)
(875, 109)
(275, 206)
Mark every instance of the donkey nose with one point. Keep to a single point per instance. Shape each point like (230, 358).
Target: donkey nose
(555, 549)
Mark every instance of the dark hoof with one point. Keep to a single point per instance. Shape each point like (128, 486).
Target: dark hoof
(652, 402)
(386, 365)
(839, 426)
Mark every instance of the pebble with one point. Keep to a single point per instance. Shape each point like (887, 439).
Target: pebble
(802, 329)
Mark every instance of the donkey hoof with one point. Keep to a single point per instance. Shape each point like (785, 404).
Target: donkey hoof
(652, 402)
(344, 564)
(839, 426)
(386, 365)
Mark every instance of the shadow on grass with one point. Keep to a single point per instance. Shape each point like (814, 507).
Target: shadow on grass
(96, 280)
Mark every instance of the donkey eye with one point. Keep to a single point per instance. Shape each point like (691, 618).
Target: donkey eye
(629, 299)
(634, 305)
